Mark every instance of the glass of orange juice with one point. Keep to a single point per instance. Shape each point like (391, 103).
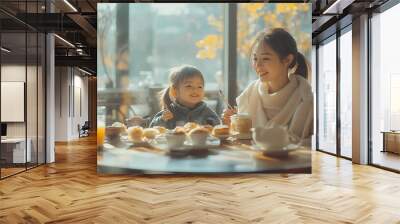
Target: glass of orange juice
(101, 133)
(101, 127)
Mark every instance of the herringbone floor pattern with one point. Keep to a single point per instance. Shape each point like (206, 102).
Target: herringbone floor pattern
(70, 191)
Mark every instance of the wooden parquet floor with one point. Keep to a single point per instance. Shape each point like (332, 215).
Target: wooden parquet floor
(70, 191)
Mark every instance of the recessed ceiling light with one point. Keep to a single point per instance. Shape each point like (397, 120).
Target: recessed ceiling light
(84, 71)
(64, 40)
(5, 50)
(70, 5)
(333, 8)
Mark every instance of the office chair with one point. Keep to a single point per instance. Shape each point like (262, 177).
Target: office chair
(84, 130)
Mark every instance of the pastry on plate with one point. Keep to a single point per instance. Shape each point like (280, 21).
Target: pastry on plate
(135, 133)
(150, 133)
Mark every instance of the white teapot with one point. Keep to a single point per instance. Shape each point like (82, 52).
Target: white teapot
(271, 138)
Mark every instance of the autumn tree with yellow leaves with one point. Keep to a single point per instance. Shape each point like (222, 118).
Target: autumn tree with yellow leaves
(254, 17)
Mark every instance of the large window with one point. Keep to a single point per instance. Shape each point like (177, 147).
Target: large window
(327, 95)
(385, 84)
(346, 93)
(150, 40)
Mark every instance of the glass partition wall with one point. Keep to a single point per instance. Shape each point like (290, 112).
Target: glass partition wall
(22, 94)
(346, 92)
(327, 96)
(333, 63)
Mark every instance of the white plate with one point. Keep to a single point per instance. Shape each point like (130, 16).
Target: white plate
(211, 142)
(283, 152)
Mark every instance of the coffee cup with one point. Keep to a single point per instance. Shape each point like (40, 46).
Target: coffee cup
(241, 123)
(175, 140)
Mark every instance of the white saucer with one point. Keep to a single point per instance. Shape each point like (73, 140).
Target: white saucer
(281, 152)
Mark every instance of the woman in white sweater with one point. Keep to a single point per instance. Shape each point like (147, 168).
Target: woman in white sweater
(282, 95)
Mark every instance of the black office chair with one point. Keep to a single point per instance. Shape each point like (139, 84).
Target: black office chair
(84, 130)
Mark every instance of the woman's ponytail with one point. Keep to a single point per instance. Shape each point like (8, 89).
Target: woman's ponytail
(302, 68)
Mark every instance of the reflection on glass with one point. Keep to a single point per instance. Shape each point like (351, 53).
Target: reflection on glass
(327, 97)
(346, 94)
(385, 84)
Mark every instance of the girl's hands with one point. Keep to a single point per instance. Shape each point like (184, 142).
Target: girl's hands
(167, 115)
(226, 115)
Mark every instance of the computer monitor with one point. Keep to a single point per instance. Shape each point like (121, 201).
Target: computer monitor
(3, 129)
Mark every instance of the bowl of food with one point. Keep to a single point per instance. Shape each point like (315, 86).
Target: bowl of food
(175, 138)
(115, 130)
(221, 131)
(198, 136)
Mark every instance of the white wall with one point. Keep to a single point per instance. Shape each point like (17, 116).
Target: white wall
(12, 73)
(69, 85)
(33, 127)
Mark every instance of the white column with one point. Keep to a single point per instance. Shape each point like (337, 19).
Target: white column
(50, 99)
(360, 90)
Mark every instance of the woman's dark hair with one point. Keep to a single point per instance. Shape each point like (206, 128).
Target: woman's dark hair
(283, 44)
(176, 76)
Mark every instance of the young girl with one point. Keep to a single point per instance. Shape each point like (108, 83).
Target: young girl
(282, 95)
(182, 101)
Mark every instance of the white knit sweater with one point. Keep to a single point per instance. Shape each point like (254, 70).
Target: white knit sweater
(292, 107)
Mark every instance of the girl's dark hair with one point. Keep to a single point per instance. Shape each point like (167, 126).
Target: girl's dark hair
(283, 44)
(176, 76)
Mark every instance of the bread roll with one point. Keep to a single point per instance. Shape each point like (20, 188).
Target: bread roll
(160, 129)
(150, 133)
(135, 133)
(189, 126)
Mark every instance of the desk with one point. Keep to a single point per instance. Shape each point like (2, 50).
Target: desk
(229, 157)
(391, 141)
(13, 150)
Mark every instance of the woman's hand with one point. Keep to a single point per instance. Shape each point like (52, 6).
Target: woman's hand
(226, 115)
(167, 115)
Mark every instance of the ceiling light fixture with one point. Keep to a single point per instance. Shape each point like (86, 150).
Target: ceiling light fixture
(337, 7)
(65, 41)
(70, 5)
(84, 71)
(5, 50)
(332, 9)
